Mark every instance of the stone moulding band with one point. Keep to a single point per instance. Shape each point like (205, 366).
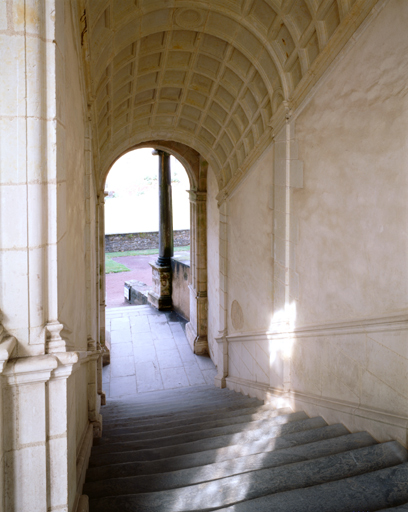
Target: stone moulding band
(397, 322)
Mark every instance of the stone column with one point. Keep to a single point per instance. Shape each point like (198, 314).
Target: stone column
(160, 297)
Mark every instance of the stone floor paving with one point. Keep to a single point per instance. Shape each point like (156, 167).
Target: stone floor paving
(150, 352)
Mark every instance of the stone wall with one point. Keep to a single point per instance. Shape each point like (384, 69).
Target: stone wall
(315, 272)
(181, 277)
(140, 241)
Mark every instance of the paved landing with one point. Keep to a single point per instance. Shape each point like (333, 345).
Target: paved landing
(150, 352)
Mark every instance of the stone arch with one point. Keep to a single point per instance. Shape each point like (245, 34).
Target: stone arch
(196, 168)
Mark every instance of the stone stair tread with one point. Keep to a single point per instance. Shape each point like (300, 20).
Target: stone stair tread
(173, 400)
(201, 395)
(179, 478)
(240, 422)
(252, 413)
(185, 417)
(151, 412)
(374, 491)
(219, 444)
(254, 430)
(153, 396)
(292, 444)
(251, 485)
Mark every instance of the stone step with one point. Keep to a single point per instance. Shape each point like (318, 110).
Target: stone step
(248, 486)
(252, 431)
(190, 406)
(299, 444)
(186, 418)
(171, 412)
(167, 395)
(112, 483)
(202, 395)
(192, 423)
(234, 443)
(240, 423)
(377, 490)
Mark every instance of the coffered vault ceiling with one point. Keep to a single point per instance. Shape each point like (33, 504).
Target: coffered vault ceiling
(215, 75)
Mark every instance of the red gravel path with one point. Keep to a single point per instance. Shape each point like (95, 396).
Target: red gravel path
(139, 269)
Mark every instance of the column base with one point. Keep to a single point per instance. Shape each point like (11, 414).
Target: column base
(198, 344)
(160, 296)
(158, 302)
(220, 382)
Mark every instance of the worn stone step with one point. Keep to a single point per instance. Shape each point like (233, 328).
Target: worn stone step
(113, 483)
(236, 424)
(234, 416)
(158, 398)
(196, 417)
(374, 491)
(134, 411)
(247, 486)
(174, 401)
(248, 432)
(143, 463)
(309, 433)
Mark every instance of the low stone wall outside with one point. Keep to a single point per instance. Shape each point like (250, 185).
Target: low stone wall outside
(140, 241)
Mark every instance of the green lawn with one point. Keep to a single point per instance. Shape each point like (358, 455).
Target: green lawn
(112, 267)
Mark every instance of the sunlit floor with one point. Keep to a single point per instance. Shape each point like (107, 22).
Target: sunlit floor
(150, 352)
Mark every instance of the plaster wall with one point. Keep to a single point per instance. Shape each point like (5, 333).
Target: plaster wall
(213, 264)
(250, 270)
(353, 246)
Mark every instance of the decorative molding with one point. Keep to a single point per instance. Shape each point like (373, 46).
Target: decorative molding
(55, 342)
(7, 344)
(26, 370)
(396, 322)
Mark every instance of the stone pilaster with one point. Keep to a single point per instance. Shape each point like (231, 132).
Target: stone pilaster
(196, 329)
(100, 207)
(222, 342)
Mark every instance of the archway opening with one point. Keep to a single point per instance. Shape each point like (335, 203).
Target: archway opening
(132, 226)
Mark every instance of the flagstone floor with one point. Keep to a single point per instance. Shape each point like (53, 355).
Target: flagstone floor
(150, 352)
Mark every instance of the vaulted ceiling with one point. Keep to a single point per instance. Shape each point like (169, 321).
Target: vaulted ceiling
(216, 75)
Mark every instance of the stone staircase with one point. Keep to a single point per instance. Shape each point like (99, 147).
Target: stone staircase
(204, 448)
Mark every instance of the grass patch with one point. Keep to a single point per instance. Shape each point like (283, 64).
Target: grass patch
(115, 267)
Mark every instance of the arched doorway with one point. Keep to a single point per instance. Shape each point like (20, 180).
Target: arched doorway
(196, 168)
